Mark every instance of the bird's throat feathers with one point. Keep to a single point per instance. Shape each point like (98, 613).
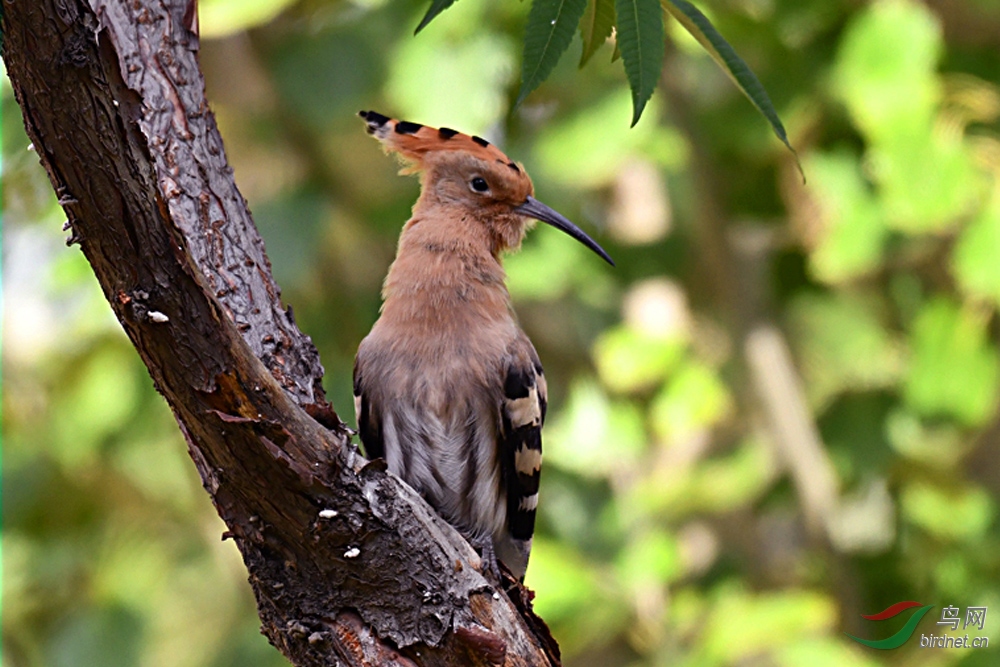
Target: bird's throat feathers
(490, 227)
(442, 272)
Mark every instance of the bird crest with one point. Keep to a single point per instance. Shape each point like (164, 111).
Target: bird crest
(470, 172)
(413, 141)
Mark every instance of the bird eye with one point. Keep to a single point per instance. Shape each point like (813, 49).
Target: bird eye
(479, 184)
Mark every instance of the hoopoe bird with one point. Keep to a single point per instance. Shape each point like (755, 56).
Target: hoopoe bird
(447, 388)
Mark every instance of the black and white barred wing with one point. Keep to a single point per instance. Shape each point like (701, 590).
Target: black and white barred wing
(522, 414)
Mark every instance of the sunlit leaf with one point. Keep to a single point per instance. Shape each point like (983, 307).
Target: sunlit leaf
(932, 442)
(596, 26)
(928, 180)
(885, 65)
(958, 514)
(550, 29)
(573, 153)
(976, 257)
(688, 608)
(954, 370)
(852, 235)
(630, 360)
(693, 399)
(594, 436)
(437, 6)
(702, 29)
(640, 38)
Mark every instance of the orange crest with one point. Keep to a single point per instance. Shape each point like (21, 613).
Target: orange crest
(412, 141)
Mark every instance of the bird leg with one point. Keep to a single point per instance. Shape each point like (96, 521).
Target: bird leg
(487, 554)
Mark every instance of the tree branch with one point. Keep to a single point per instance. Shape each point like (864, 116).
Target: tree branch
(348, 564)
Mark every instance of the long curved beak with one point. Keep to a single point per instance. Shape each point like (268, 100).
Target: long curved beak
(539, 211)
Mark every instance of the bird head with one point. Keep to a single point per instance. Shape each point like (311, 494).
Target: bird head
(470, 174)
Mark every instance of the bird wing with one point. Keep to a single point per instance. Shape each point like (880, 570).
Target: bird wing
(522, 413)
(369, 421)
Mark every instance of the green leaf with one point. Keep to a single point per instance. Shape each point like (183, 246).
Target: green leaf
(963, 514)
(851, 233)
(974, 259)
(694, 399)
(629, 360)
(550, 28)
(598, 21)
(702, 30)
(640, 37)
(931, 442)
(885, 69)
(954, 370)
(927, 180)
(595, 436)
(844, 345)
(572, 154)
(437, 6)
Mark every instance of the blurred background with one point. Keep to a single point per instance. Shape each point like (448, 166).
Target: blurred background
(779, 412)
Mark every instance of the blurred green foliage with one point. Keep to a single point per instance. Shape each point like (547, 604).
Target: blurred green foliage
(673, 529)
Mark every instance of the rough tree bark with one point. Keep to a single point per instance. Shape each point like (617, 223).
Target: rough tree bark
(348, 565)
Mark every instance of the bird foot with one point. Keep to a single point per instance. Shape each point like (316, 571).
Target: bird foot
(490, 566)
